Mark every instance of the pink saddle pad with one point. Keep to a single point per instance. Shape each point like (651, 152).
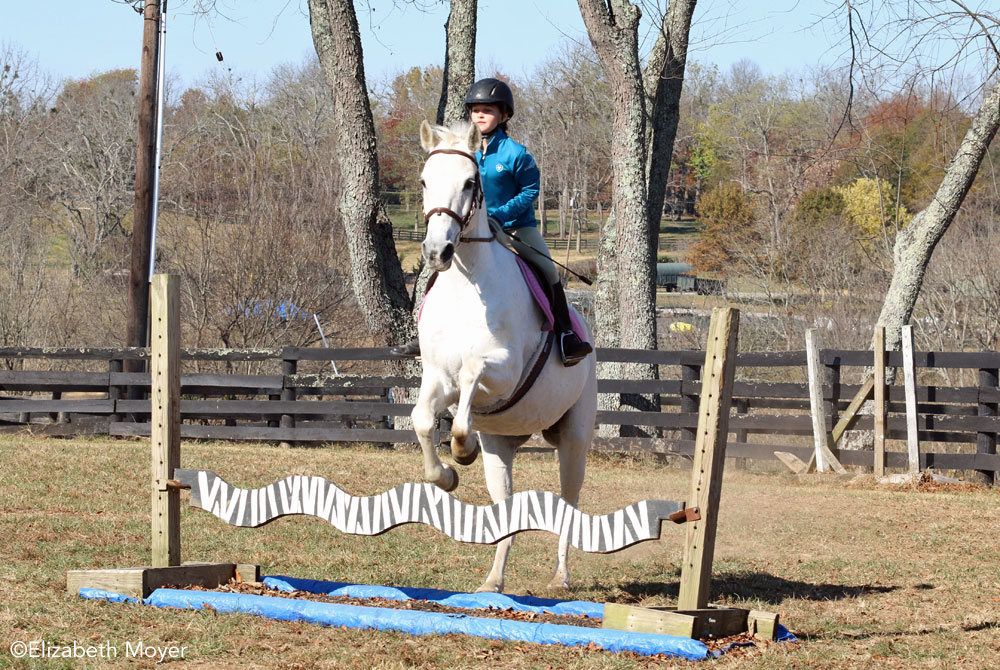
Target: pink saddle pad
(541, 299)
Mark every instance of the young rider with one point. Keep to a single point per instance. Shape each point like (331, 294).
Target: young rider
(510, 180)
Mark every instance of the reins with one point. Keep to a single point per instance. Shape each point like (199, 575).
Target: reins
(477, 200)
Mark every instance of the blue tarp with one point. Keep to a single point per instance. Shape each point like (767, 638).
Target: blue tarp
(500, 601)
(416, 622)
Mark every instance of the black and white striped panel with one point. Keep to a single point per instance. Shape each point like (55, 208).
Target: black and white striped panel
(426, 503)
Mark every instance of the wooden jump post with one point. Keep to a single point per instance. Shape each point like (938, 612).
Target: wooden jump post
(165, 425)
(165, 419)
(694, 616)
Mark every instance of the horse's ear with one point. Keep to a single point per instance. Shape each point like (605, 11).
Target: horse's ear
(474, 138)
(428, 138)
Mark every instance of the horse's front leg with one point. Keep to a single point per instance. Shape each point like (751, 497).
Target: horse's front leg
(490, 372)
(431, 402)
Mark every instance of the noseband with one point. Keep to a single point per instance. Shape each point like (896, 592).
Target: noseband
(477, 200)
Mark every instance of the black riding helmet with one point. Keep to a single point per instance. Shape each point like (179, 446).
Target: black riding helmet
(490, 91)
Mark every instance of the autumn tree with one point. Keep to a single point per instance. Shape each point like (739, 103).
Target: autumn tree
(410, 98)
(888, 38)
(727, 214)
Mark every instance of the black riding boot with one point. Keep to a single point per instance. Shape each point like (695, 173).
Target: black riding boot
(572, 349)
(410, 350)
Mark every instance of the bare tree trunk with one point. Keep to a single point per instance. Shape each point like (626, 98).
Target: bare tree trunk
(543, 219)
(613, 30)
(915, 243)
(563, 206)
(664, 79)
(606, 317)
(459, 60)
(376, 273)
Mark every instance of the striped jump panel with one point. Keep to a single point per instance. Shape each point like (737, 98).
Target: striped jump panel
(426, 503)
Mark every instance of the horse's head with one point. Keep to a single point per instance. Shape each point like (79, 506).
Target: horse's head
(451, 187)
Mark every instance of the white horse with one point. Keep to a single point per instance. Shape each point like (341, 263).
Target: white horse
(479, 330)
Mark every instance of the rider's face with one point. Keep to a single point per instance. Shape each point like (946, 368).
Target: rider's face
(487, 117)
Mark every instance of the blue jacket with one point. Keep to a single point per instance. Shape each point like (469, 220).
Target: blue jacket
(510, 181)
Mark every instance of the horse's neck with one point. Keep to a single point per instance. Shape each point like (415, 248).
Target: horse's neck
(489, 266)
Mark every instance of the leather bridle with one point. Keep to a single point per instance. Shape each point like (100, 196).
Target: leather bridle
(477, 200)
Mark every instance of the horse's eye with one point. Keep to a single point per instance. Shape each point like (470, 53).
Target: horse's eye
(422, 184)
(469, 184)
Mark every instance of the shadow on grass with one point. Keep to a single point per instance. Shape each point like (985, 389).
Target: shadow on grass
(759, 586)
(894, 634)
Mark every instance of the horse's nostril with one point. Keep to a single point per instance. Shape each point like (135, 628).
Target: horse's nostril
(449, 251)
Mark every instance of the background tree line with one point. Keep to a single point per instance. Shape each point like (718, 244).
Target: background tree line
(798, 205)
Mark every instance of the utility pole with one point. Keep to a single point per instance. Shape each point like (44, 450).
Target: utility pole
(137, 317)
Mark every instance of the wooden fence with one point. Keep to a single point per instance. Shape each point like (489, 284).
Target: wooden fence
(294, 397)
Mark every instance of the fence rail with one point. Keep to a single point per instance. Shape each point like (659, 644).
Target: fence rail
(957, 425)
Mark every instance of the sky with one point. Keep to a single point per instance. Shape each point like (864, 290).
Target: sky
(78, 38)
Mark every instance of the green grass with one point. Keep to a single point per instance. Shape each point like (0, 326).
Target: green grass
(867, 577)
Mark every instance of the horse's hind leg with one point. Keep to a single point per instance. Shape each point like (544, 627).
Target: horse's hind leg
(498, 460)
(572, 437)
(431, 402)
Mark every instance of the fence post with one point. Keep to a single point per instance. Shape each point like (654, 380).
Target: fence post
(165, 419)
(114, 391)
(289, 366)
(910, 387)
(690, 375)
(822, 454)
(831, 379)
(742, 407)
(878, 411)
(274, 423)
(986, 443)
(816, 399)
(55, 416)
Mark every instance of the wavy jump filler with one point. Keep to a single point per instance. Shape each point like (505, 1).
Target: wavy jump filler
(426, 503)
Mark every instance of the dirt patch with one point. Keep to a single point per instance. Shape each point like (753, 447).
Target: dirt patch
(924, 482)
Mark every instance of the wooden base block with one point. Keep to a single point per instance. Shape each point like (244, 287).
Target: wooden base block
(710, 623)
(140, 582)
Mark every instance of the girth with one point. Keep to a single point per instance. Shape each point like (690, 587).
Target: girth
(527, 381)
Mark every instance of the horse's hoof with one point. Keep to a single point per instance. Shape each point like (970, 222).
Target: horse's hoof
(449, 479)
(559, 583)
(557, 586)
(489, 588)
(467, 459)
